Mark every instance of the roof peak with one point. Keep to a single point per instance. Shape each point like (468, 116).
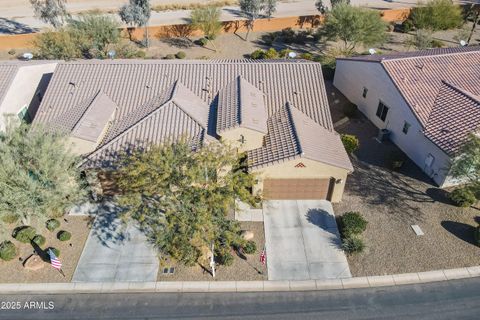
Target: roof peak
(464, 92)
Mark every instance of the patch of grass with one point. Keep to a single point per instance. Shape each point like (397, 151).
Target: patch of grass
(193, 5)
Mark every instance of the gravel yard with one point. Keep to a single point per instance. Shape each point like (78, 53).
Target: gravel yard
(391, 202)
(70, 251)
(241, 269)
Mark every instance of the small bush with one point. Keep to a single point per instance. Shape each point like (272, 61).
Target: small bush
(52, 224)
(202, 42)
(12, 52)
(269, 38)
(39, 240)
(350, 142)
(306, 56)
(463, 197)
(352, 223)
(64, 235)
(169, 56)
(56, 252)
(24, 234)
(437, 43)
(282, 54)
(8, 251)
(225, 258)
(350, 110)
(180, 55)
(10, 218)
(250, 247)
(271, 54)
(258, 54)
(288, 35)
(352, 244)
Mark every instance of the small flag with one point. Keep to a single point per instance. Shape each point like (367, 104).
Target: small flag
(263, 256)
(56, 263)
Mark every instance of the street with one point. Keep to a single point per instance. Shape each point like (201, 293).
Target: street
(458, 299)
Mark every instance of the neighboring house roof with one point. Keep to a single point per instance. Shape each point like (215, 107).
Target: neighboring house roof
(159, 99)
(421, 77)
(240, 104)
(292, 135)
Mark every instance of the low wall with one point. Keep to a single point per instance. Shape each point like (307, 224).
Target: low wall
(183, 30)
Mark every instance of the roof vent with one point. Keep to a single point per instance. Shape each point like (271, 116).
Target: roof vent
(445, 131)
(419, 66)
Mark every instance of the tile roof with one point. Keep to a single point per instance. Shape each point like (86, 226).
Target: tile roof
(159, 99)
(292, 135)
(421, 78)
(240, 104)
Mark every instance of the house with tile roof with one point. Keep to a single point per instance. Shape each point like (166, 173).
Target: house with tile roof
(275, 111)
(429, 101)
(22, 86)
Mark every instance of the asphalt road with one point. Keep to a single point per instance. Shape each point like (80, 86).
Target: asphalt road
(459, 299)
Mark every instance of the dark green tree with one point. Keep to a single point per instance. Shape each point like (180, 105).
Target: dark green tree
(437, 15)
(208, 21)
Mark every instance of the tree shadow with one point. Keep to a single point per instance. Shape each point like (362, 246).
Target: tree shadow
(462, 231)
(43, 254)
(439, 195)
(322, 219)
(108, 226)
(8, 26)
(182, 43)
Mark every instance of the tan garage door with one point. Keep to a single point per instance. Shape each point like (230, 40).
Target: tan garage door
(296, 189)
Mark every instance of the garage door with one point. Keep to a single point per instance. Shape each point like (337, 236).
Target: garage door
(296, 189)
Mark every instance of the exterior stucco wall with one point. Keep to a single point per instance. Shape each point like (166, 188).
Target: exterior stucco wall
(22, 91)
(252, 139)
(352, 76)
(312, 170)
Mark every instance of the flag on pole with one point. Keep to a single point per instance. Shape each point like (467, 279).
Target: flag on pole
(56, 263)
(263, 256)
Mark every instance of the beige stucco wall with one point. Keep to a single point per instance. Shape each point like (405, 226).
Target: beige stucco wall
(352, 76)
(81, 147)
(312, 170)
(23, 89)
(253, 139)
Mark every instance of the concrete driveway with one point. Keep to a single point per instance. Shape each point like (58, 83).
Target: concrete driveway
(115, 252)
(302, 241)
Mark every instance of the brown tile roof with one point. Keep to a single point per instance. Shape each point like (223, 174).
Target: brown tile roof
(240, 104)
(291, 135)
(421, 78)
(160, 99)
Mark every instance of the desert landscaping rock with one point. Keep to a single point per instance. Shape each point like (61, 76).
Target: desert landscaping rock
(34, 263)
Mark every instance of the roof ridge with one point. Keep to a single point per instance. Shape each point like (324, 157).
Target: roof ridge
(430, 55)
(464, 92)
(294, 127)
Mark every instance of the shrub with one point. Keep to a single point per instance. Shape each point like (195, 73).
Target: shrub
(24, 234)
(271, 54)
(284, 53)
(52, 224)
(463, 197)
(306, 56)
(64, 235)
(170, 56)
(180, 55)
(407, 26)
(437, 15)
(352, 223)
(250, 247)
(288, 35)
(352, 244)
(437, 43)
(12, 52)
(269, 38)
(8, 251)
(56, 252)
(39, 240)
(10, 218)
(350, 110)
(225, 258)
(258, 54)
(350, 142)
(203, 42)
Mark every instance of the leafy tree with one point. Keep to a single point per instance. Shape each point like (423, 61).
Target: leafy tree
(354, 25)
(38, 176)
(437, 15)
(137, 13)
(208, 20)
(466, 166)
(181, 198)
(52, 12)
(252, 10)
(270, 6)
(321, 7)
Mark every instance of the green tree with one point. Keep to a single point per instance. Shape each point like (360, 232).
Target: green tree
(270, 6)
(251, 10)
(208, 21)
(52, 45)
(466, 166)
(137, 13)
(52, 12)
(354, 25)
(39, 176)
(181, 198)
(437, 15)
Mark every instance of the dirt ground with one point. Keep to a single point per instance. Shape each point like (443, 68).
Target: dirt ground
(391, 202)
(242, 269)
(70, 251)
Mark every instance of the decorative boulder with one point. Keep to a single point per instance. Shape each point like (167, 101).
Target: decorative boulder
(247, 235)
(34, 263)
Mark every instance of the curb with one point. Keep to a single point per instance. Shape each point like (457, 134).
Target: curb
(243, 286)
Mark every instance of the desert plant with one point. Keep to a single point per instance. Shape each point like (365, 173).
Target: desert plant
(180, 55)
(24, 234)
(202, 41)
(271, 54)
(137, 13)
(170, 56)
(8, 251)
(258, 54)
(352, 223)
(436, 15)
(350, 142)
(52, 224)
(12, 52)
(55, 251)
(224, 258)
(463, 197)
(64, 235)
(39, 240)
(53, 12)
(352, 244)
(306, 56)
(208, 21)
(250, 247)
(10, 218)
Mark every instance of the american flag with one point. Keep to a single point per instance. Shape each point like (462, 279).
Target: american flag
(263, 256)
(56, 263)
